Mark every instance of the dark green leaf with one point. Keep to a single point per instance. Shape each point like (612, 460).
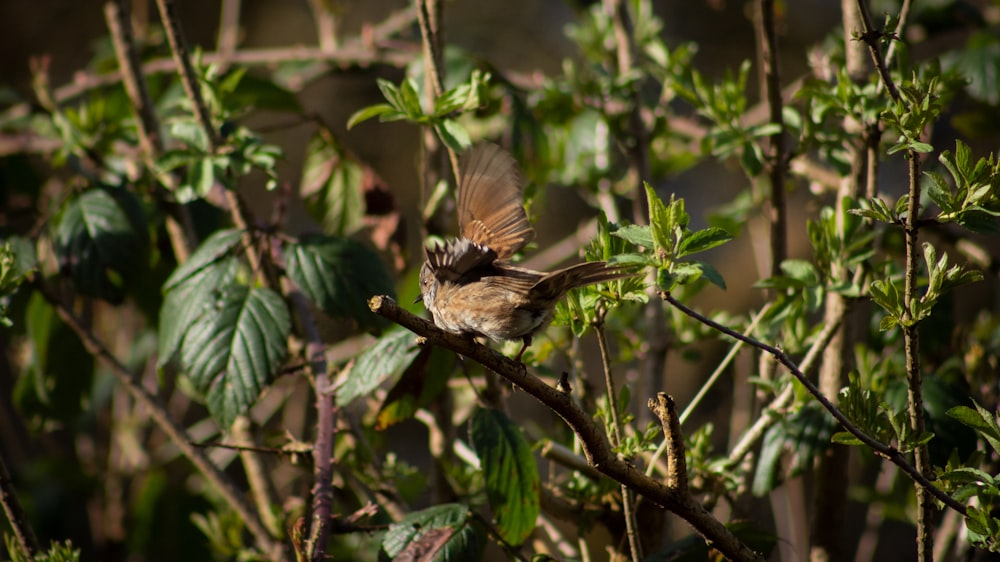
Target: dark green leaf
(443, 533)
(100, 241)
(339, 275)
(193, 295)
(235, 348)
(57, 381)
(384, 361)
(219, 247)
(260, 93)
(511, 475)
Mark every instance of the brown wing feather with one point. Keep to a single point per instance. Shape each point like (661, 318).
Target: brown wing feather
(554, 285)
(490, 207)
(456, 258)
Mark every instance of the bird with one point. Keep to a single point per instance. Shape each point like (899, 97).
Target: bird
(469, 284)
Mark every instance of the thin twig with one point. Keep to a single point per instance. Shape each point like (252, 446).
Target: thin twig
(23, 533)
(911, 334)
(363, 51)
(628, 501)
(703, 391)
(429, 18)
(179, 224)
(769, 416)
(592, 439)
(770, 83)
(886, 451)
(177, 435)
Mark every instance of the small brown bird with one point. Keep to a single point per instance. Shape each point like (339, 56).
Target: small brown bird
(468, 284)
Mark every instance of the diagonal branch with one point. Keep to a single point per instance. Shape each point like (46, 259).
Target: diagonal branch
(595, 445)
(890, 453)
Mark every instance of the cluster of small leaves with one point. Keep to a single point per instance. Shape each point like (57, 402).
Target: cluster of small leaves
(667, 240)
(587, 306)
(57, 552)
(403, 103)
(922, 99)
(887, 294)
(972, 198)
(239, 150)
(711, 474)
(838, 255)
(967, 480)
(876, 419)
(825, 107)
(724, 105)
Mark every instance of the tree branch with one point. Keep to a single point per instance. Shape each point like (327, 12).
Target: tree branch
(883, 450)
(594, 443)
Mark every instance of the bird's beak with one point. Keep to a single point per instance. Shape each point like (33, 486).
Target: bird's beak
(420, 298)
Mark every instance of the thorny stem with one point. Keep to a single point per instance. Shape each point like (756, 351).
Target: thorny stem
(628, 500)
(886, 451)
(910, 327)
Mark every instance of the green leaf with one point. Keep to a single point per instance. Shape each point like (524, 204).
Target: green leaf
(100, 242)
(981, 420)
(366, 113)
(443, 533)
(235, 348)
(452, 134)
(219, 247)
(190, 298)
(702, 240)
(709, 272)
(510, 472)
(384, 361)
(339, 275)
(636, 234)
(260, 93)
(332, 185)
(57, 381)
(659, 220)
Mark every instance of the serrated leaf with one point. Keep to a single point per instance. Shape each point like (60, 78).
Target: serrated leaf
(235, 348)
(100, 241)
(218, 247)
(339, 275)
(510, 473)
(189, 298)
(466, 541)
(384, 361)
(331, 185)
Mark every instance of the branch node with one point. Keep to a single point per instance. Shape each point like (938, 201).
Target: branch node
(664, 409)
